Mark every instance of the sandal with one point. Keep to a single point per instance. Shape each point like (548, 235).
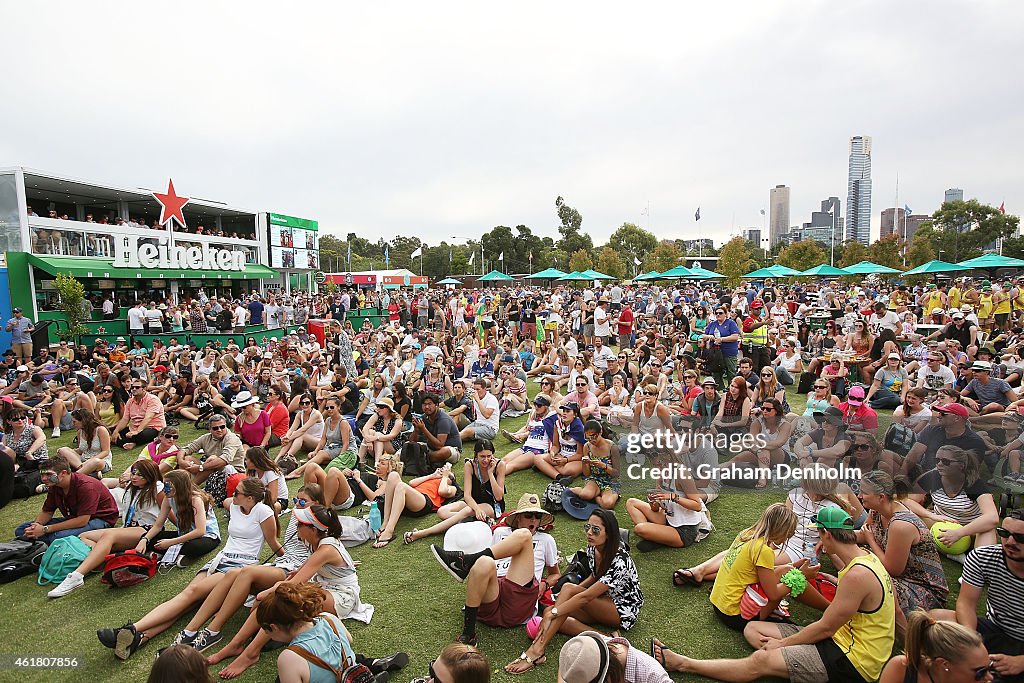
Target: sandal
(407, 537)
(658, 652)
(533, 663)
(684, 577)
(382, 542)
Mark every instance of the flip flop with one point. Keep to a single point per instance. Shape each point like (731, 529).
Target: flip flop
(534, 663)
(382, 543)
(684, 577)
(407, 537)
(658, 652)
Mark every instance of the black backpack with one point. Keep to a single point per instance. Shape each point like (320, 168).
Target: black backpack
(20, 558)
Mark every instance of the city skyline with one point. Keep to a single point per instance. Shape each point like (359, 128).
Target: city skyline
(404, 119)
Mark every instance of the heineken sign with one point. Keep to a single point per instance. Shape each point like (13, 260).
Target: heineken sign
(128, 253)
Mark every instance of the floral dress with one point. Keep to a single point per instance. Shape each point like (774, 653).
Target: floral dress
(922, 585)
(20, 445)
(623, 583)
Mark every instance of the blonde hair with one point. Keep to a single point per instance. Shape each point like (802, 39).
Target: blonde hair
(967, 461)
(826, 488)
(777, 523)
(927, 639)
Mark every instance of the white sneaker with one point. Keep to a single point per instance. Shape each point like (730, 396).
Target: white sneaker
(56, 432)
(249, 601)
(71, 582)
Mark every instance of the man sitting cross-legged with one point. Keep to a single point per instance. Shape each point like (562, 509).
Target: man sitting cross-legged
(504, 582)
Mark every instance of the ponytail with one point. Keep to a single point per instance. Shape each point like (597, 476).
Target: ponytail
(927, 639)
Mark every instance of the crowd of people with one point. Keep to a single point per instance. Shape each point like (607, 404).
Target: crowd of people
(406, 416)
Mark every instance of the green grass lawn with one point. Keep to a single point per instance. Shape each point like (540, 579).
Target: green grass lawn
(417, 604)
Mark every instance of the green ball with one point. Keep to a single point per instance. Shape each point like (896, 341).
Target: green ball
(958, 548)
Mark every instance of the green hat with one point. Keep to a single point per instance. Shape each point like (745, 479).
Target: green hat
(986, 283)
(832, 517)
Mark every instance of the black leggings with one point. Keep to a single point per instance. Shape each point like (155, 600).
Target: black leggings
(143, 437)
(197, 547)
(6, 479)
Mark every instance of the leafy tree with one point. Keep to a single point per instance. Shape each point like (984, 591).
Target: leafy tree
(497, 241)
(802, 255)
(853, 252)
(664, 257)
(920, 251)
(631, 242)
(581, 260)
(735, 259)
(460, 263)
(333, 253)
(571, 220)
(1014, 247)
(610, 262)
(71, 293)
(887, 251)
(960, 230)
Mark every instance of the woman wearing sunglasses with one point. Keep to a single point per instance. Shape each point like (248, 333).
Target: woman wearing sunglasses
(957, 494)
(140, 503)
(305, 431)
(93, 451)
(610, 596)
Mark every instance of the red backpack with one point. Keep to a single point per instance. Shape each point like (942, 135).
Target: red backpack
(128, 568)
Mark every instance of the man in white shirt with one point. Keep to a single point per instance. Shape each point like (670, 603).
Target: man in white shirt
(240, 315)
(137, 319)
(601, 327)
(935, 375)
(883, 319)
(602, 354)
(505, 581)
(487, 411)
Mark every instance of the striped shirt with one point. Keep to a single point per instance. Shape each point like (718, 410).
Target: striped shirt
(961, 506)
(986, 568)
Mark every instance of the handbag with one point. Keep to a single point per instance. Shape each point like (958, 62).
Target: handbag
(128, 568)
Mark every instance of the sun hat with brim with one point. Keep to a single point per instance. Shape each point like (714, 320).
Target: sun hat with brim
(892, 356)
(584, 658)
(576, 506)
(832, 517)
(831, 415)
(709, 380)
(856, 396)
(468, 537)
(386, 402)
(982, 365)
(530, 502)
(244, 398)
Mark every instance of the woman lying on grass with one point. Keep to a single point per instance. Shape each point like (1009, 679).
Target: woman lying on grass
(252, 523)
(418, 498)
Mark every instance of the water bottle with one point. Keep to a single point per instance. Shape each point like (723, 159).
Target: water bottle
(375, 519)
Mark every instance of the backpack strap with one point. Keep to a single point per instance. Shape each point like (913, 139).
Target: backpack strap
(313, 659)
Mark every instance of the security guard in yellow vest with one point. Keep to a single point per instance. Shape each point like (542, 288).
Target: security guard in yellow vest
(755, 335)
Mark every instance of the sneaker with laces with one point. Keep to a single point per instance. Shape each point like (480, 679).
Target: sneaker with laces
(206, 639)
(56, 433)
(71, 582)
(454, 561)
(184, 639)
(128, 640)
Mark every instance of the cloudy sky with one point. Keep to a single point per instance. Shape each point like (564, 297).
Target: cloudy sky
(447, 118)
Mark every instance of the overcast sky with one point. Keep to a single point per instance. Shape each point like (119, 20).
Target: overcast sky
(448, 118)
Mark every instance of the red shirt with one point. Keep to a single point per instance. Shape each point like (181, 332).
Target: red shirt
(279, 419)
(625, 320)
(864, 417)
(85, 496)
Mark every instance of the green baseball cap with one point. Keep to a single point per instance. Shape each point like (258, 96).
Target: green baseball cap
(832, 517)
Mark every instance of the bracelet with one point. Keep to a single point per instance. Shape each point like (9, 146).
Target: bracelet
(46, 529)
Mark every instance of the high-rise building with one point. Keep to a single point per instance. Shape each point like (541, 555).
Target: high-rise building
(954, 194)
(778, 220)
(912, 223)
(892, 222)
(825, 225)
(858, 191)
(752, 235)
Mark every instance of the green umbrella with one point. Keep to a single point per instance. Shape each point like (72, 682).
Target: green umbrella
(825, 270)
(495, 275)
(935, 266)
(449, 281)
(993, 261)
(704, 273)
(596, 275)
(648, 276)
(678, 271)
(575, 276)
(783, 271)
(869, 268)
(762, 273)
(549, 274)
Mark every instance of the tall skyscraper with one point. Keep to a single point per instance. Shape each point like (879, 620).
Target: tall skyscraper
(892, 222)
(954, 194)
(826, 225)
(858, 192)
(752, 235)
(778, 220)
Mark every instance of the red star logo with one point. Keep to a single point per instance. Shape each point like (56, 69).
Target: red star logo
(171, 205)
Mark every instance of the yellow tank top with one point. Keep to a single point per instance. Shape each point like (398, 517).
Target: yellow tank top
(1003, 306)
(934, 301)
(867, 638)
(985, 307)
(955, 297)
(108, 416)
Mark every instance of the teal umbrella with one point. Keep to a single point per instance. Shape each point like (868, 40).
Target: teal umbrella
(825, 270)
(549, 274)
(576, 276)
(760, 273)
(648, 276)
(993, 261)
(783, 271)
(678, 271)
(935, 266)
(495, 276)
(869, 268)
(596, 275)
(449, 281)
(704, 273)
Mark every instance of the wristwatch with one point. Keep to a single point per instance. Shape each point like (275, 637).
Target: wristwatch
(554, 611)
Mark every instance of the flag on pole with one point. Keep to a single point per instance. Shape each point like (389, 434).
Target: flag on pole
(531, 257)
(696, 216)
(472, 256)
(636, 261)
(1002, 208)
(906, 210)
(387, 257)
(350, 255)
(418, 252)
(501, 257)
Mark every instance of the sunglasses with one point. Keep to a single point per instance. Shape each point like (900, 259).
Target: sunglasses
(218, 428)
(305, 403)
(592, 529)
(532, 515)
(172, 437)
(1006, 533)
(766, 374)
(946, 461)
(767, 409)
(299, 502)
(982, 671)
(861, 446)
(107, 391)
(821, 386)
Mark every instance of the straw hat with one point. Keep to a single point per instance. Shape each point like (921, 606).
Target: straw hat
(530, 502)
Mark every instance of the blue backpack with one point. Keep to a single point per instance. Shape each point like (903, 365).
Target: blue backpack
(61, 558)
